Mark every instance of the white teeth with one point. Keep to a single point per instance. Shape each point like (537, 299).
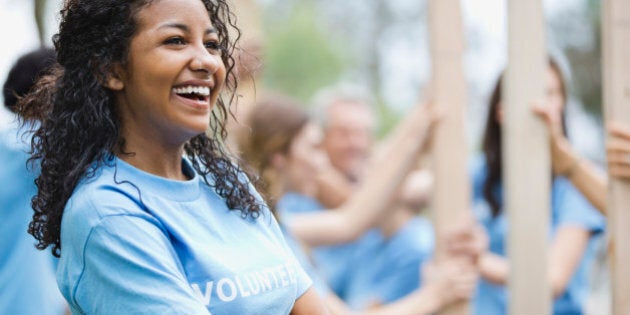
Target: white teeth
(201, 90)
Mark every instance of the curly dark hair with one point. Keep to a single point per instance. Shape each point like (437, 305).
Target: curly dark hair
(492, 143)
(79, 126)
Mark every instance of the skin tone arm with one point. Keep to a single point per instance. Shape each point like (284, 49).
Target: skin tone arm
(333, 189)
(568, 246)
(310, 303)
(583, 175)
(443, 283)
(370, 202)
(450, 283)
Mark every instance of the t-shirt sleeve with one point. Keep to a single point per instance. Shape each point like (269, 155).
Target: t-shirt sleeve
(319, 284)
(130, 267)
(574, 209)
(303, 280)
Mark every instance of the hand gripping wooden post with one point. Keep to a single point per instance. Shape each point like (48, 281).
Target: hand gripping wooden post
(451, 197)
(616, 55)
(526, 161)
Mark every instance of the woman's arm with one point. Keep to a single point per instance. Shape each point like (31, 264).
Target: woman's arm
(566, 251)
(444, 284)
(310, 303)
(381, 184)
(565, 254)
(566, 162)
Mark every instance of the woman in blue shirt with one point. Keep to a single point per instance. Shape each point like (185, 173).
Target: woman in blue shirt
(574, 222)
(137, 194)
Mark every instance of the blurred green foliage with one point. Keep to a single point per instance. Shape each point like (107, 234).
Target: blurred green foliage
(302, 58)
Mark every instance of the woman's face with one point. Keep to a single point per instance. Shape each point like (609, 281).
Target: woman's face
(306, 158)
(553, 90)
(553, 94)
(174, 72)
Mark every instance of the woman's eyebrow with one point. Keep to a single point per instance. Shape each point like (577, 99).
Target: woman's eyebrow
(185, 28)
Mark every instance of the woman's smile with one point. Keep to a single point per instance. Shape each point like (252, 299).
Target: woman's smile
(194, 94)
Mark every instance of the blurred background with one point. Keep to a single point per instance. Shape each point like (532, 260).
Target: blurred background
(381, 46)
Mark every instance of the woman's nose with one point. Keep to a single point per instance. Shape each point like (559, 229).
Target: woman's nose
(205, 61)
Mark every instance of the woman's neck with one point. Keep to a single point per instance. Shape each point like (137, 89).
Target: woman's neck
(152, 156)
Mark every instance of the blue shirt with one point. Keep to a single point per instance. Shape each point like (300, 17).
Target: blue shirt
(568, 207)
(334, 262)
(132, 242)
(319, 284)
(389, 268)
(27, 276)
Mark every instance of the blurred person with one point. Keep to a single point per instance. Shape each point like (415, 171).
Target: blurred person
(285, 146)
(349, 125)
(137, 194)
(344, 113)
(583, 174)
(27, 276)
(574, 223)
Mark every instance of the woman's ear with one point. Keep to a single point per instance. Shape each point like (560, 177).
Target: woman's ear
(114, 80)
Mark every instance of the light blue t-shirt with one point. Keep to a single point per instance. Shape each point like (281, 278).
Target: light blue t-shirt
(568, 207)
(27, 275)
(389, 268)
(334, 262)
(135, 243)
(319, 284)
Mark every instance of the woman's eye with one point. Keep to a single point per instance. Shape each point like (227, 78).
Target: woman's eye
(174, 41)
(213, 45)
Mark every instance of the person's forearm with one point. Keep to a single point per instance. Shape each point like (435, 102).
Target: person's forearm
(370, 202)
(333, 188)
(565, 253)
(591, 183)
(584, 176)
(420, 302)
(423, 301)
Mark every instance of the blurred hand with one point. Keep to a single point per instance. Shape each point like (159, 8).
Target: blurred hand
(467, 239)
(563, 158)
(449, 281)
(618, 150)
(416, 189)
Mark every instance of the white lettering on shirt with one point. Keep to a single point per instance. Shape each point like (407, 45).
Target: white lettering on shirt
(221, 290)
(247, 284)
(205, 297)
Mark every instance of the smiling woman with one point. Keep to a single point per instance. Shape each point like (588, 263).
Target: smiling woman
(135, 195)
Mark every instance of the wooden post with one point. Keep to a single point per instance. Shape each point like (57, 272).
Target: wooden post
(616, 79)
(527, 165)
(452, 185)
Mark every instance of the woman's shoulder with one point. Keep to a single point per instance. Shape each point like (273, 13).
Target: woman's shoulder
(98, 195)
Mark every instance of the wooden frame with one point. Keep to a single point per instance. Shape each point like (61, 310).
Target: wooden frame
(616, 79)
(451, 195)
(527, 165)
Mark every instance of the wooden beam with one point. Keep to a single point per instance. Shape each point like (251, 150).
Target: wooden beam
(452, 185)
(527, 166)
(616, 79)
